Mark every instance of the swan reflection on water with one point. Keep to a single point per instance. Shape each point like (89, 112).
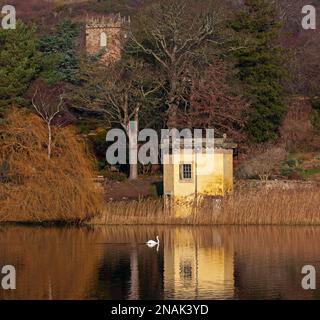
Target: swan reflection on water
(152, 243)
(117, 262)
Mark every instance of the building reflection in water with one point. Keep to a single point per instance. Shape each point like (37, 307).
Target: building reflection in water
(192, 263)
(197, 266)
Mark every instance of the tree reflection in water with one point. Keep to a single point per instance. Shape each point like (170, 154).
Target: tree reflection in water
(192, 263)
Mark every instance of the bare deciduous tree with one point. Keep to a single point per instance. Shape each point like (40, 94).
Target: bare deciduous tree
(213, 105)
(120, 92)
(48, 102)
(302, 47)
(264, 164)
(176, 34)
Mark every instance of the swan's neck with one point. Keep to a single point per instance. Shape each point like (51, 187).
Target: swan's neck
(158, 239)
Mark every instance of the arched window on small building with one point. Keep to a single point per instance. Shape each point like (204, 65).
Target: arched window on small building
(103, 40)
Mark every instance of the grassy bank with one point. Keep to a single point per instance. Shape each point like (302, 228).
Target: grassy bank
(251, 207)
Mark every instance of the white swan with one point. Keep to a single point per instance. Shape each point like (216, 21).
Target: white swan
(152, 243)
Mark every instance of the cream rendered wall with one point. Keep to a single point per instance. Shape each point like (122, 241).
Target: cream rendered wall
(168, 174)
(228, 172)
(210, 182)
(171, 176)
(213, 174)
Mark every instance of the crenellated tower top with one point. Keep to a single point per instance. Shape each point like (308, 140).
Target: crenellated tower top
(108, 21)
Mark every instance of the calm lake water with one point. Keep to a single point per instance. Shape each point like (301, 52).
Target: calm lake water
(191, 262)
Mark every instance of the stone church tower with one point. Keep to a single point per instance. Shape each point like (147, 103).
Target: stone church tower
(105, 35)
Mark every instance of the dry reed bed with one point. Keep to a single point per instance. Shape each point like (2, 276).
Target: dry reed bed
(254, 207)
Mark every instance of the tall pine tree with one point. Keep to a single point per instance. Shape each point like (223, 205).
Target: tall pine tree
(59, 59)
(261, 67)
(19, 63)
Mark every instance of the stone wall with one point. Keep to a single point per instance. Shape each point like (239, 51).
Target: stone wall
(115, 29)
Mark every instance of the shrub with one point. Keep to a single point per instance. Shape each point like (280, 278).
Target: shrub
(297, 130)
(115, 175)
(34, 188)
(264, 164)
(315, 118)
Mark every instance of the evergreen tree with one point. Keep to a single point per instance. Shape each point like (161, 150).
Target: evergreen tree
(60, 62)
(261, 67)
(19, 63)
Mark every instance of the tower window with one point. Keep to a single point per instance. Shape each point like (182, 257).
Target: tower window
(186, 270)
(103, 39)
(185, 172)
